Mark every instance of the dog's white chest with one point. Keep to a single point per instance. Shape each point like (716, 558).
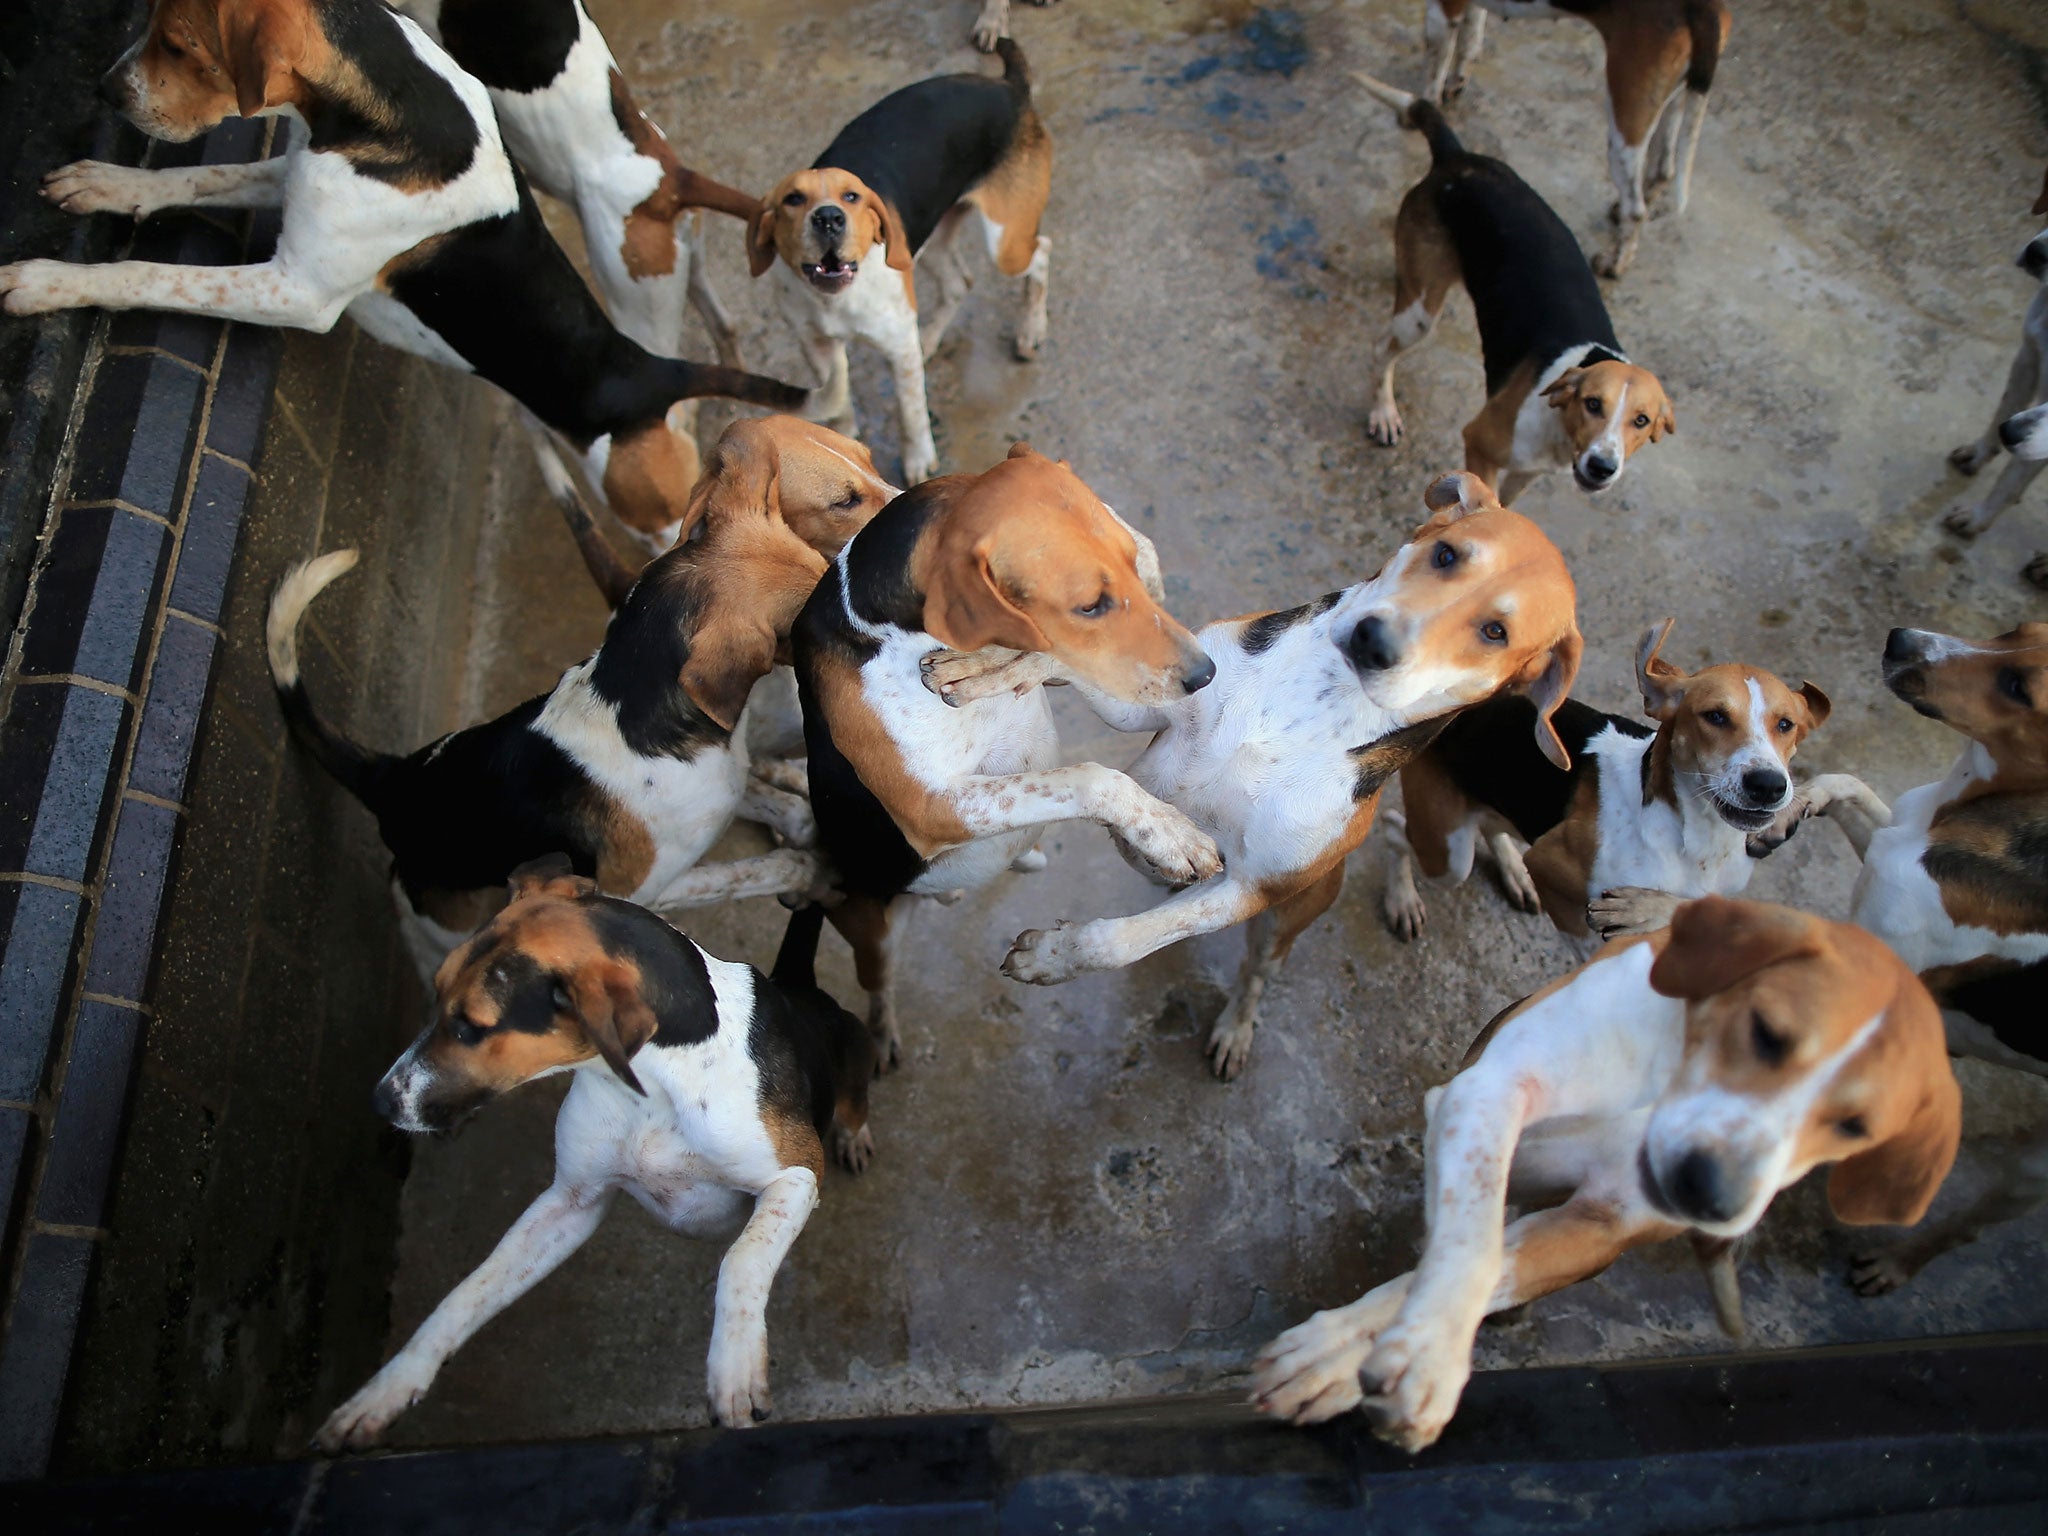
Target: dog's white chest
(875, 306)
(1688, 853)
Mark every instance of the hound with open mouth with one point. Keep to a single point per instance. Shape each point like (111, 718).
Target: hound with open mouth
(1560, 391)
(1685, 808)
(705, 1089)
(1669, 1087)
(902, 183)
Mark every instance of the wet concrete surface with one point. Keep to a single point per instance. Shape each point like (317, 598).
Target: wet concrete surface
(1065, 1205)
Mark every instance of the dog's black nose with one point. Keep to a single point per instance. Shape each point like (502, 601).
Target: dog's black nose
(829, 219)
(1698, 1188)
(1600, 468)
(1371, 647)
(1899, 646)
(1763, 786)
(1199, 674)
(384, 1100)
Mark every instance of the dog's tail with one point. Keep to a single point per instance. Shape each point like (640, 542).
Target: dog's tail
(1706, 21)
(1016, 73)
(693, 381)
(1415, 112)
(796, 963)
(613, 576)
(354, 767)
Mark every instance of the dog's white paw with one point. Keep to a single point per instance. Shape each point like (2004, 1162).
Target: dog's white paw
(1630, 909)
(1383, 425)
(1410, 1385)
(1230, 1042)
(1030, 861)
(961, 677)
(737, 1376)
(1769, 839)
(1173, 849)
(1973, 455)
(1967, 519)
(1310, 1373)
(1405, 912)
(1044, 957)
(361, 1421)
(93, 186)
(1518, 885)
(36, 287)
(919, 464)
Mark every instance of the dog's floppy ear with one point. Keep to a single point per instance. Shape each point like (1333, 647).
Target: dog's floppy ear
(1450, 497)
(1895, 1181)
(1818, 708)
(743, 474)
(1567, 385)
(1552, 686)
(761, 232)
(893, 235)
(263, 45)
(551, 874)
(1666, 422)
(615, 1018)
(1662, 685)
(1716, 942)
(726, 659)
(967, 608)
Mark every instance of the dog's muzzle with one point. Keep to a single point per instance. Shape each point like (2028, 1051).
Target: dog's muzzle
(1595, 472)
(1697, 1188)
(1905, 659)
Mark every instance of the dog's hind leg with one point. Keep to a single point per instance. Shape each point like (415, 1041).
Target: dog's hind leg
(1270, 935)
(2023, 387)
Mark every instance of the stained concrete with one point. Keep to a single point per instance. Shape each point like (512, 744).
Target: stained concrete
(1066, 1207)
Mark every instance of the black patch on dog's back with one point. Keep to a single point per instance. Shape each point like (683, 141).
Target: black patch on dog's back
(1258, 636)
(419, 132)
(675, 983)
(1378, 761)
(1489, 752)
(1532, 291)
(510, 45)
(923, 148)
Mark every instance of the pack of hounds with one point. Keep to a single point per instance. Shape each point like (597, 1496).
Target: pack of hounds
(864, 671)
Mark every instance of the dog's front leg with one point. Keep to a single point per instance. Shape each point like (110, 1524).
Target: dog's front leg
(2022, 389)
(1043, 956)
(269, 294)
(787, 815)
(1310, 1373)
(737, 1371)
(1851, 805)
(1174, 849)
(785, 872)
(961, 677)
(551, 1229)
(914, 420)
(94, 186)
(1418, 1368)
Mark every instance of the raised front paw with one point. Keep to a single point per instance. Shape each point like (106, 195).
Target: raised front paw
(93, 186)
(1173, 850)
(961, 677)
(361, 1421)
(1310, 1373)
(1044, 957)
(737, 1376)
(1973, 455)
(1769, 839)
(1383, 426)
(1630, 909)
(1411, 1383)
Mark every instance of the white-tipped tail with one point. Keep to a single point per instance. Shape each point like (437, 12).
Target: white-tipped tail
(555, 474)
(1394, 97)
(288, 604)
(1695, 120)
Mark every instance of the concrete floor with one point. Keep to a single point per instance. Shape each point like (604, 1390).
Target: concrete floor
(1066, 1207)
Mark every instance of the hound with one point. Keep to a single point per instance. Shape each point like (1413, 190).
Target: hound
(638, 760)
(700, 1086)
(1560, 391)
(571, 124)
(901, 183)
(401, 210)
(1686, 808)
(1283, 757)
(1656, 51)
(2018, 423)
(1672, 1085)
(914, 798)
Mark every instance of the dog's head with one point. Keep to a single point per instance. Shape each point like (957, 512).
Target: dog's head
(1730, 730)
(1806, 1042)
(1608, 411)
(560, 977)
(1478, 600)
(825, 223)
(1026, 556)
(824, 485)
(1994, 691)
(199, 61)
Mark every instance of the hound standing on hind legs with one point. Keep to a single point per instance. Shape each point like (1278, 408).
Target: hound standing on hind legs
(1657, 50)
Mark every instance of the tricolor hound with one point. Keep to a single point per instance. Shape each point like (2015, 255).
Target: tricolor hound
(1685, 808)
(914, 798)
(901, 183)
(638, 760)
(701, 1087)
(400, 209)
(1283, 757)
(1559, 390)
(1672, 1085)
(1656, 49)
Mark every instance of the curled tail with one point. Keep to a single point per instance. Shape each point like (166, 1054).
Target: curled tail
(1415, 112)
(1707, 22)
(355, 768)
(1016, 73)
(796, 963)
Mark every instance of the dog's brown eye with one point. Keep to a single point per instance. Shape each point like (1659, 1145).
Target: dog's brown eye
(1594, 407)
(1642, 422)
(1853, 1126)
(1443, 557)
(2013, 685)
(794, 200)
(849, 501)
(1784, 726)
(560, 998)
(1770, 1046)
(465, 1032)
(851, 197)
(1495, 632)
(1098, 608)
(1714, 716)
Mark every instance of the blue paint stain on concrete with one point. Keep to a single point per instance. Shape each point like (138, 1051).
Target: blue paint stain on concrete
(1199, 69)
(1275, 42)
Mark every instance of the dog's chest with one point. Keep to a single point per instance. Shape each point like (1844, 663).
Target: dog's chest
(875, 307)
(941, 745)
(1686, 852)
